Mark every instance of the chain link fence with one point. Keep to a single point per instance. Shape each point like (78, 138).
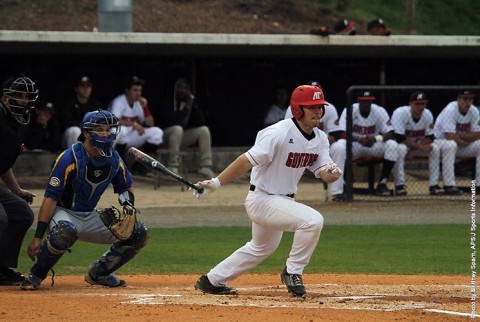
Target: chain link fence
(362, 174)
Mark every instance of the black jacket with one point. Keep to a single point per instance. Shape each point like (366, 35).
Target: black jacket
(11, 139)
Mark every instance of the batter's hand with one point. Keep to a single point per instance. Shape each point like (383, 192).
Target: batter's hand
(209, 186)
(34, 248)
(330, 172)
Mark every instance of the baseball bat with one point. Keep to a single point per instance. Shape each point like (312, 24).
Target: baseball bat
(157, 165)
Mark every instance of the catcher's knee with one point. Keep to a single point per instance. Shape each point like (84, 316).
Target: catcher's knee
(139, 237)
(61, 237)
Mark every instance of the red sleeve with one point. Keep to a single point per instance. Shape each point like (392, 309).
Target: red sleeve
(146, 111)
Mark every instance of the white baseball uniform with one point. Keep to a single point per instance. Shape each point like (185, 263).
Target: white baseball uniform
(330, 123)
(404, 124)
(280, 156)
(377, 122)
(128, 135)
(450, 120)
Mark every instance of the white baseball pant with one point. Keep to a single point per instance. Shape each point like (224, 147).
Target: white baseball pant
(271, 215)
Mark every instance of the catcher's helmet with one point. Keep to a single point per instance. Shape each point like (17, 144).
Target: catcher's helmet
(306, 95)
(103, 144)
(22, 94)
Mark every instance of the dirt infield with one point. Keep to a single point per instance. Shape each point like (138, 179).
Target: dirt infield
(260, 298)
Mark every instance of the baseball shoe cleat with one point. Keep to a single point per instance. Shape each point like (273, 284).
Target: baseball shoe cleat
(452, 190)
(400, 190)
(110, 280)
(436, 190)
(203, 284)
(294, 284)
(9, 277)
(382, 190)
(30, 283)
(339, 197)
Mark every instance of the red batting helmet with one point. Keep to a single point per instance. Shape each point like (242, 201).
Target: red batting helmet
(306, 95)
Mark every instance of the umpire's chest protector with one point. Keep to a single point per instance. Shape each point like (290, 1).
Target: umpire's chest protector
(91, 179)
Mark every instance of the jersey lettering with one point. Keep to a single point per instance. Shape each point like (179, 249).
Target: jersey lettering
(463, 127)
(300, 160)
(363, 130)
(414, 133)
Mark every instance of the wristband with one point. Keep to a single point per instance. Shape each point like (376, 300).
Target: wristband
(41, 229)
(216, 183)
(379, 138)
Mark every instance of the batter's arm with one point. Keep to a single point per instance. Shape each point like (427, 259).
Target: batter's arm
(237, 168)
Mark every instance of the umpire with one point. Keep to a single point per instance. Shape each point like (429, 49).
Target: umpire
(19, 94)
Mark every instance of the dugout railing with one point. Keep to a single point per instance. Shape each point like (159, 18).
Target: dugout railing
(361, 176)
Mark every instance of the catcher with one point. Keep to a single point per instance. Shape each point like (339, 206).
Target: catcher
(79, 177)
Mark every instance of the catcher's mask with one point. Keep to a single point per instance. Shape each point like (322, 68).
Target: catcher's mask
(92, 122)
(21, 93)
(306, 95)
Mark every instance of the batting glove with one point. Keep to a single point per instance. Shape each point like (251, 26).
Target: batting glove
(333, 169)
(209, 186)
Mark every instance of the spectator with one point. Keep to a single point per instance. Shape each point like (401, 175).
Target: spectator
(76, 106)
(44, 133)
(372, 136)
(345, 27)
(133, 133)
(329, 124)
(185, 124)
(413, 127)
(459, 123)
(377, 27)
(276, 112)
(19, 94)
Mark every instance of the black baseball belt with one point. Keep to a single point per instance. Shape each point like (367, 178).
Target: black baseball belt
(291, 195)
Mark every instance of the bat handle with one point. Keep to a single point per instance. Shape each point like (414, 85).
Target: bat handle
(200, 190)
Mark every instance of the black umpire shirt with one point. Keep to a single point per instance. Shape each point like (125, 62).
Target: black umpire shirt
(11, 139)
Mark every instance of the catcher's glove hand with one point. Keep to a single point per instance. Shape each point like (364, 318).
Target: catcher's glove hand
(120, 223)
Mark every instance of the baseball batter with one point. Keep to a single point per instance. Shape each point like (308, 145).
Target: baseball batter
(459, 122)
(372, 135)
(281, 154)
(413, 127)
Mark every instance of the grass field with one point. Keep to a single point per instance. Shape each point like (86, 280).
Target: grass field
(376, 249)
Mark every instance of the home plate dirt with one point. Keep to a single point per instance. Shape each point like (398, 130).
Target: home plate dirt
(260, 297)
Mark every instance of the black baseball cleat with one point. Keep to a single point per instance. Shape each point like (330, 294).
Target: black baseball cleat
(400, 190)
(203, 284)
(382, 190)
(10, 277)
(436, 190)
(452, 190)
(294, 284)
(339, 197)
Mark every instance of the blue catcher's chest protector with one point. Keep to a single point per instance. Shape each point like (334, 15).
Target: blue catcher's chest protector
(93, 178)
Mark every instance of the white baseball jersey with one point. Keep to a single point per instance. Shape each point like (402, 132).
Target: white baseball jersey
(403, 123)
(281, 154)
(377, 121)
(329, 122)
(450, 120)
(122, 110)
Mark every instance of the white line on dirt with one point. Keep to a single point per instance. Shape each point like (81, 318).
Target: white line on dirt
(450, 312)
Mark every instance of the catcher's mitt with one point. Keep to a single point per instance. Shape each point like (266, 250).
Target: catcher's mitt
(120, 223)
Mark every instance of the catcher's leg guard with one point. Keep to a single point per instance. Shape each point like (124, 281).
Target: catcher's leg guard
(100, 271)
(61, 237)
